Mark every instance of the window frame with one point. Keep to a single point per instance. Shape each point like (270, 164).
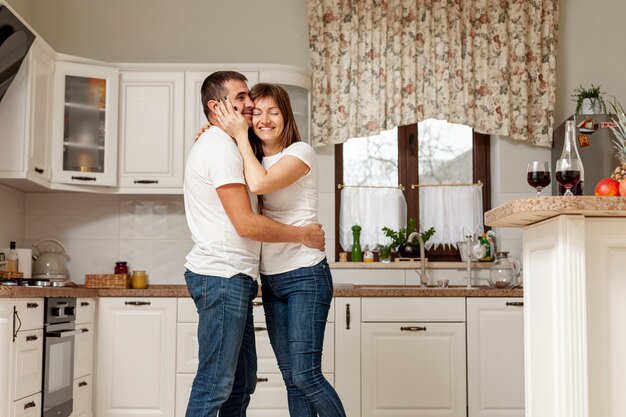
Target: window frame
(408, 174)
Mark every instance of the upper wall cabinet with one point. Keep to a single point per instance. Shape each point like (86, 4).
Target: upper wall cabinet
(25, 119)
(194, 113)
(152, 109)
(84, 124)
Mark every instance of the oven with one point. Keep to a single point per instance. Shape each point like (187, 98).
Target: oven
(58, 366)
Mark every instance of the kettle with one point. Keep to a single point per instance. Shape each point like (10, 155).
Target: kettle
(50, 264)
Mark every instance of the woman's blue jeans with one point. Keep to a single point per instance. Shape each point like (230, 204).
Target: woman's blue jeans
(226, 374)
(296, 307)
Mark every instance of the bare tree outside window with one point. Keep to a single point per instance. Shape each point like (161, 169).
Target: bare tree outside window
(444, 152)
(372, 160)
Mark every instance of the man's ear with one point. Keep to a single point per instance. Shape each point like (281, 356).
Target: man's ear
(211, 106)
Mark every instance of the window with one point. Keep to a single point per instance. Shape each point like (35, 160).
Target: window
(431, 152)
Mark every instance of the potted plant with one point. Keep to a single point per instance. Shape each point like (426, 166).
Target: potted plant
(399, 237)
(589, 100)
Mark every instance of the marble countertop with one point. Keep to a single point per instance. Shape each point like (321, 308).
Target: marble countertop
(526, 211)
(340, 290)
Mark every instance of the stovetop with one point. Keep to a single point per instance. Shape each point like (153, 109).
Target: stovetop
(33, 282)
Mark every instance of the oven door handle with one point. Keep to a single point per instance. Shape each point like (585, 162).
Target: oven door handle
(64, 333)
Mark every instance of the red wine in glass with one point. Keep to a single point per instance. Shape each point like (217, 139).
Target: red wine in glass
(538, 175)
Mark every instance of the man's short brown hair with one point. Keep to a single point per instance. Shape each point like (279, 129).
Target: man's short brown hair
(213, 87)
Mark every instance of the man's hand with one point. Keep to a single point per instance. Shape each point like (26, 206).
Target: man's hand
(232, 121)
(313, 236)
(202, 130)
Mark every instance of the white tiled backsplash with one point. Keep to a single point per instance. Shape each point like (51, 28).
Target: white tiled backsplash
(11, 216)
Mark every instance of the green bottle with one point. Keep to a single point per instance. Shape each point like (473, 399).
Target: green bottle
(357, 253)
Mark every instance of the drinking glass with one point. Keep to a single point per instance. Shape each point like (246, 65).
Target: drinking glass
(568, 173)
(538, 175)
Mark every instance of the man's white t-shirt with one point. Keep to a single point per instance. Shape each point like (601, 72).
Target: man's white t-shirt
(294, 205)
(218, 250)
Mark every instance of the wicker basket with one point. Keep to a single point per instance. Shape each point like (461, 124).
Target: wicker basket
(107, 281)
(7, 274)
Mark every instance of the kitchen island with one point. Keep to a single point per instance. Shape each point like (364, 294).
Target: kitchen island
(574, 249)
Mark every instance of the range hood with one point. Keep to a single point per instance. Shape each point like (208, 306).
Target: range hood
(15, 41)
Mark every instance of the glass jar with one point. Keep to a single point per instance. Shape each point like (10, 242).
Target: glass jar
(139, 280)
(120, 268)
(504, 271)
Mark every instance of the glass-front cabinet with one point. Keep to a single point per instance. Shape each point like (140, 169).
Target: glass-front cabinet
(84, 149)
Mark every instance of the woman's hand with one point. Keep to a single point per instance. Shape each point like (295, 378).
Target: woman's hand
(232, 120)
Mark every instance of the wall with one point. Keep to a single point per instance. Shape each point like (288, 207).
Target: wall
(11, 216)
(212, 31)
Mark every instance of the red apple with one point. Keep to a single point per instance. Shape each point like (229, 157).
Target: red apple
(607, 187)
(622, 187)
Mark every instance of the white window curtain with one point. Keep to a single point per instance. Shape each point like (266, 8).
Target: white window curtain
(454, 211)
(372, 209)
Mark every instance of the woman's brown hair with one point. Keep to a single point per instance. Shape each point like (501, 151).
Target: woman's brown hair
(290, 133)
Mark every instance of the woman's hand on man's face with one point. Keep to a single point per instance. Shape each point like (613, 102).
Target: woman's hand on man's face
(231, 119)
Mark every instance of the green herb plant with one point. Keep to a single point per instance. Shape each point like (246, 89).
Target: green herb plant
(399, 237)
(594, 93)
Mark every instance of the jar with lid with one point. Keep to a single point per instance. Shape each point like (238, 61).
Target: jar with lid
(121, 268)
(504, 271)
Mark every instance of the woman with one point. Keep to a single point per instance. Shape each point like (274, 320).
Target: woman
(296, 282)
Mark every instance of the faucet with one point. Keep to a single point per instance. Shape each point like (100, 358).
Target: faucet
(422, 273)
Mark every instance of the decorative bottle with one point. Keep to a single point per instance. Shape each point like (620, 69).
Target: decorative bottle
(357, 253)
(12, 259)
(570, 151)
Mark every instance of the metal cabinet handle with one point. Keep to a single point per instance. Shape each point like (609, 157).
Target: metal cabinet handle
(137, 303)
(32, 305)
(262, 379)
(31, 338)
(30, 404)
(18, 327)
(347, 316)
(84, 303)
(257, 303)
(260, 329)
(84, 330)
(413, 329)
(39, 170)
(82, 384)
(146, 182)
(515, 304)
(81, 178)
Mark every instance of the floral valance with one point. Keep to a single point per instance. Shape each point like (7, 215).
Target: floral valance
(489, 64)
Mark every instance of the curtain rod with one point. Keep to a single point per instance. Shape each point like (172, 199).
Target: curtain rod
(400, 186)
(414, 186)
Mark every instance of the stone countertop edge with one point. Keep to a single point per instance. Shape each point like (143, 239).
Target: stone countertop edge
(527, 211)
(340, 290)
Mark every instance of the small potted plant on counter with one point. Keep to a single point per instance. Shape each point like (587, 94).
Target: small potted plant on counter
(399, 238)
(589, 100)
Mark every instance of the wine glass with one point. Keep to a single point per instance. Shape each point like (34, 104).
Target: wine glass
(538, 175)
(568, 173)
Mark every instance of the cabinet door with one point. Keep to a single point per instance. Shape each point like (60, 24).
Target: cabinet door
(41, 67)
(136, 357)
(82, 397)
(415, 369)
(6, 333)
(27, 363)
(348, 353)
(85, 310)
(495, 357)
(84, 124)
(194, 114)
(27, 407)
(151, 129)
(83, 350)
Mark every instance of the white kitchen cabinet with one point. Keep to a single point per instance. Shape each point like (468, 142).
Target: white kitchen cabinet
(84, 124)
(21, 356)
(82, 397)
(151, 134)
(84, 357)
(136, 361)
(194, 113)
(25, 117)
(495, 357)
(348, 353)
(413, 366)
(83, 350)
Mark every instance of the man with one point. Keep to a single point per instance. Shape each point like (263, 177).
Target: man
(222, 267)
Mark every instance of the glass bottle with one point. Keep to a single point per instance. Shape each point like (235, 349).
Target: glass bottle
(357, 253)
(121, 268)
(570, 151)
(12, 259)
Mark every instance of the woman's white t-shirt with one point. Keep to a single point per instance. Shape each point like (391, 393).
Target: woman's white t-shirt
(294, 205)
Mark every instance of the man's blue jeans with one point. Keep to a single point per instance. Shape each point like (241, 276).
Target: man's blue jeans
(226, 374)
(296, 305)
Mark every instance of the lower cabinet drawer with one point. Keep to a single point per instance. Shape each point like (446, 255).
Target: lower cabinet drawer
(27, 407)
(27, 363)
(82, 397)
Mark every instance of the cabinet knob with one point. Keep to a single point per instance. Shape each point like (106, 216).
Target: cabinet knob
(515, 304)
(257, 303)
(146, 182)
(84, 303)
(82, 384)
(30, 404)
(137, 303)
(413, 329)
(262, 379)
(32, 305)
(31, 338)
(81, 178)
(260, 329)
(39, 170)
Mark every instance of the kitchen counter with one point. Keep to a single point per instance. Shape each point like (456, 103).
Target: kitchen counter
(340, 290)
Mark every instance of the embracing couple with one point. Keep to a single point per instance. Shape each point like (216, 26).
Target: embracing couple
(233, 173)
